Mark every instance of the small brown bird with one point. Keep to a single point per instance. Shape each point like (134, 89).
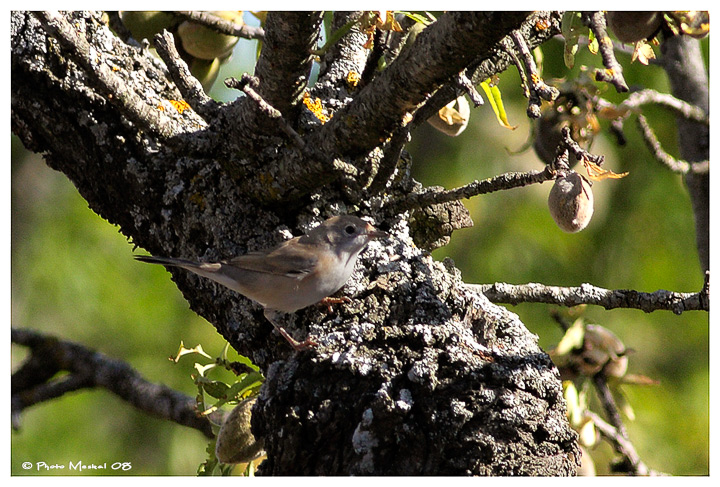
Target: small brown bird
(296, 274)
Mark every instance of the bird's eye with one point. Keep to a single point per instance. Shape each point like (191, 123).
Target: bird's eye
(350, 229)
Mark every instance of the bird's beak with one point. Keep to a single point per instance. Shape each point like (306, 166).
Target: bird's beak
(373, 232)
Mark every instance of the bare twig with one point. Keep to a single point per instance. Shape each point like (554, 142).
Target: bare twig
(190, 88)
(247, 85)
(466, 84)
(33, 383)
(117, 92)
(666, 159)
(509, 180)
(500, 292)
(391, 156)
(379, 47)
(537, 90)
(608, 403)
(567, 142)
(613, 70)
(621, 444)
(223, 26)
(682, 108)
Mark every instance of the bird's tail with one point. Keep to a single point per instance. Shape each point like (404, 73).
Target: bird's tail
(150, 259)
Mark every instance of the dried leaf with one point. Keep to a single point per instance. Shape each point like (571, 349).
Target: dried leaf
(643, 53)
(596, 173)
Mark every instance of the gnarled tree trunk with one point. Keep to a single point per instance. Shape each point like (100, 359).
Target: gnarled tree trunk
(418, 375)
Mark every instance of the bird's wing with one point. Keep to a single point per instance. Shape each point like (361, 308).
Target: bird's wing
(286, 260)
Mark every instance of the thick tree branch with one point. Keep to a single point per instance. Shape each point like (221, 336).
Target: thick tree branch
(536, 29)
(146, 116)
(689, 82)
(191, 89)
(283, 68)
(33, 383)
(588, 294)
(441, 51)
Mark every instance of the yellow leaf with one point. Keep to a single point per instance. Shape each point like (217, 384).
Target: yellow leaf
(186, 351)
(493, 94)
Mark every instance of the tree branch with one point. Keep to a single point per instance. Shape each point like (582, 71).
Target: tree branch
(510, 180)
(689, 81)
(622, 445)
(588, 294)
(441, 51)
(117, 92)
(536, 29)
(223, 26)
(663, 157)
(190, 88)
(33, 384)
(682, 108)
(283, 68)
(613, 70)
(537, 89)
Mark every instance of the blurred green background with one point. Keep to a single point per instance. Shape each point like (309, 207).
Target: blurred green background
(73, 276)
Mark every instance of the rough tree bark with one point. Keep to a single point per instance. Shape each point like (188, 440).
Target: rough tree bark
(688, 78)
(419, 374)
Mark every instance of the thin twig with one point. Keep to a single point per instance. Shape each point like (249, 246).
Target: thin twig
(613, 70)
(190, 88)
(621, 444)
(666, 159)
(391, 155)
(505, 181)
(680, 107)
(223, 26)
(380, 40)
(501, 292)
(567, 142)
(466, 84)
(608, 404)
(537, 89)
(117, 91)
(247, 85)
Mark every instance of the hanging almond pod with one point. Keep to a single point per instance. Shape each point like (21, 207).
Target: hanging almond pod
(571, 202)
(205, 43)
(235, 442)
(631, 27)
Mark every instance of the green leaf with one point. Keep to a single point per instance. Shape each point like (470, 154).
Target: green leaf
(494, 97)
(571, 28)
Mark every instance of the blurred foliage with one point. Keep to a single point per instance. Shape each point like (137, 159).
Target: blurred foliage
(73, 276)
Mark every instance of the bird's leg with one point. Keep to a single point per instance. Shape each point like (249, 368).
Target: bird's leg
(329, 301)
(306, 344)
